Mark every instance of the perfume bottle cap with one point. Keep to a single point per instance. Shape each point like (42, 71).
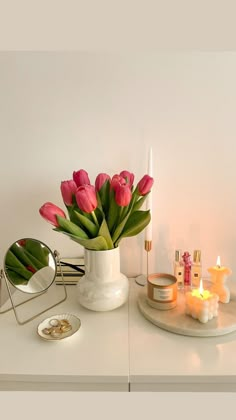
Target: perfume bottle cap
(197, 256)
(178, 255)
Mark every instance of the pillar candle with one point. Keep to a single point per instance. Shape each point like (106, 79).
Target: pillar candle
(201, 304)
(148, 231)
(219, 275)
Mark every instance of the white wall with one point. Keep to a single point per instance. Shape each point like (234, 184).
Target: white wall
(60, 112)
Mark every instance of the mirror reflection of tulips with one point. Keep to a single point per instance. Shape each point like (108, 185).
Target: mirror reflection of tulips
(24, 258)
(100, 216)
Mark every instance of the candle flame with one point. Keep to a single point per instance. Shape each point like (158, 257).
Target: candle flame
(218, 263)
(201, 290)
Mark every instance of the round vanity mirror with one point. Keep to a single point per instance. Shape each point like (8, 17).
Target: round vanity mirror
(30, 265)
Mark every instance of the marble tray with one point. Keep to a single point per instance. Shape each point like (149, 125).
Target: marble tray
(175, 320)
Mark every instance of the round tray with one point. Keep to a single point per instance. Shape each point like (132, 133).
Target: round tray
(175, 320)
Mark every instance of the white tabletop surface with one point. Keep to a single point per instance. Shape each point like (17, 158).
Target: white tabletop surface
(161, 360)
(112, 351)
(94, 358)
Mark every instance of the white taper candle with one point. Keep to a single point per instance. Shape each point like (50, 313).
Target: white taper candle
(148, 231)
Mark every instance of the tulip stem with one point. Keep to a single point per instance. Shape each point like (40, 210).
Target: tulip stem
(121, 216)
(95, 219)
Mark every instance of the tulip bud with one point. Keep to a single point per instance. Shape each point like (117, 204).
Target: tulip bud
(129, 177)
(68, 189)
(100, 181)
(86, 198)
(30, 268)
(50, 211)
(117, 180)
(22, 242)
(123, 195)
(81, 177)
(145, 185)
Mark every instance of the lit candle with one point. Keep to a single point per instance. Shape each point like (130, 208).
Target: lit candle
(201, 304)
(148, 231)
(219, 275)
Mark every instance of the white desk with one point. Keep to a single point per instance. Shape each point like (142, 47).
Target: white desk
(93, 359)
(163, 361)
(113, 351)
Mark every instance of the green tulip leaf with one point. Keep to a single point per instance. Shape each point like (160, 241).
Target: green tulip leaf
(99, 215)
(35, 261)
(25, 257)
(104, 232)
(104, 196)
(98, 244)
(70, 227)
(139, 203)
(72, 216)
(135, 224)
(99, 206)
(16, 277)
(120, 228)
(37, 251)
(14, 264)
(113, 212)
(88, 224)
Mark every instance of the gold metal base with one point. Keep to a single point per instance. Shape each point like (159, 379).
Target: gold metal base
(142, 279)
(148, 245)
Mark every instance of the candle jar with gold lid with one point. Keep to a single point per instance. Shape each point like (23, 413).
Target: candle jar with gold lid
(162, 291)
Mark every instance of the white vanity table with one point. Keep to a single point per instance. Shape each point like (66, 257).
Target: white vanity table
(113, 351)
(93, 359)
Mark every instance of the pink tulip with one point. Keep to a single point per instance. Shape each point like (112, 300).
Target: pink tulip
(100, 180)
(81, 177)
(50, 211)
(117, 180)
(123, 195)
(22, 242)
(68, 189)
(145, 185)
(86, 198)
(129, 177)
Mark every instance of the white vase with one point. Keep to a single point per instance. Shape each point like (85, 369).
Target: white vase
(103, 287)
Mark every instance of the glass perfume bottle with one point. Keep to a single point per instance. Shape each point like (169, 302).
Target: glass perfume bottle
(187, 269)
(196, 271)
(179, 269)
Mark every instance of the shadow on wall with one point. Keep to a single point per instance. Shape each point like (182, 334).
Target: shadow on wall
(161, 258)
(131, 255)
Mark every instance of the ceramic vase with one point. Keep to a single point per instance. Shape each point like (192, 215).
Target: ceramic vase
(103, 287)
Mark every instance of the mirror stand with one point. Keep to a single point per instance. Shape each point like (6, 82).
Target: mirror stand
(14, 305)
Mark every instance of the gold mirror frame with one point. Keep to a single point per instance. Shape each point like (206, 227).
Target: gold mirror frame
(8, 282)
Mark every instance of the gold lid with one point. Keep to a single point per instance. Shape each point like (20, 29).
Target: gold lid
(197, 256)
(178, 255)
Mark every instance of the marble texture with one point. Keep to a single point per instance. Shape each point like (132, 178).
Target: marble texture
(175, 320)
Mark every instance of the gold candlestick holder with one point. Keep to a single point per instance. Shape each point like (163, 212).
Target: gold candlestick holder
(141, 280)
